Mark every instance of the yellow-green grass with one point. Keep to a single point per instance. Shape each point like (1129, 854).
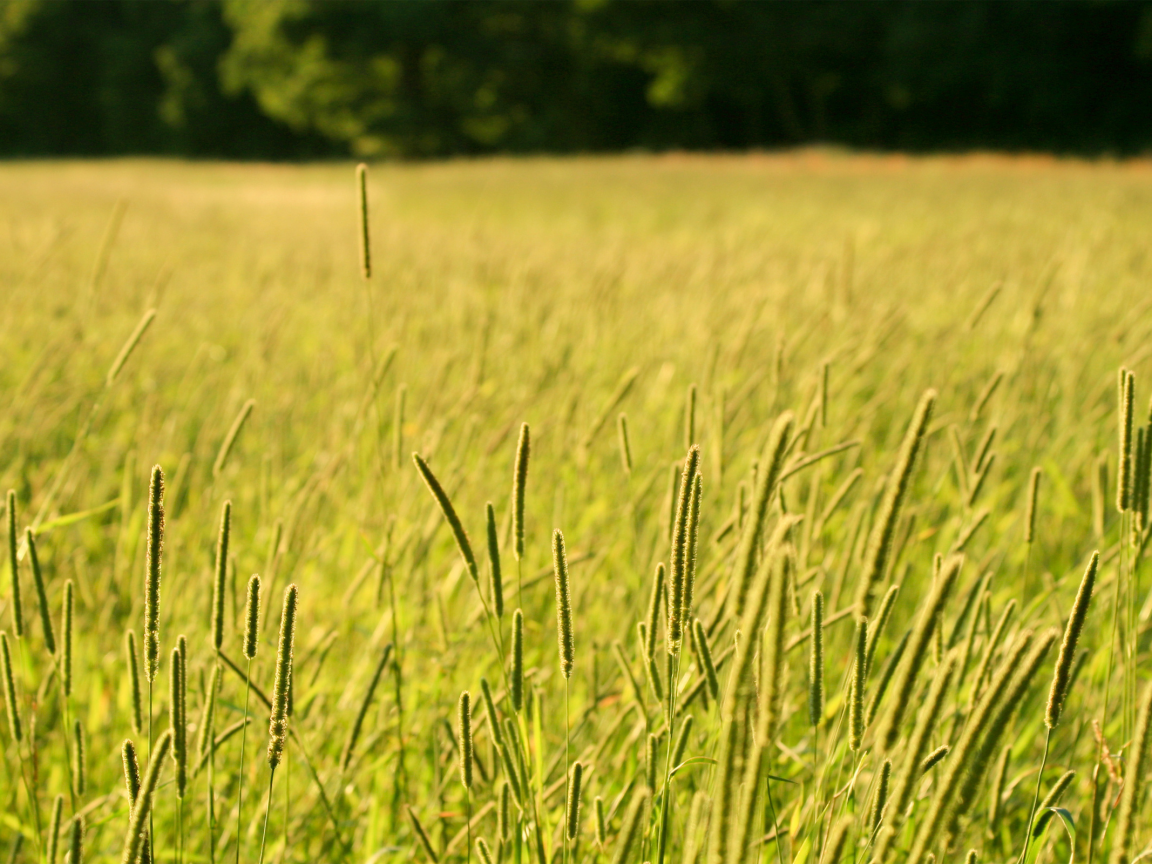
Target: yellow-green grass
(524, 291)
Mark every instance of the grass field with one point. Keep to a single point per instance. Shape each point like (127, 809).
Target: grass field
(562, 294)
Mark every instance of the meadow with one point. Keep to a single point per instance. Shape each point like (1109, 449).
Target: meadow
(859, 415)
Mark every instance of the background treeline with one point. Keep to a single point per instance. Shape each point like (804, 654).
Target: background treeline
(309, 78)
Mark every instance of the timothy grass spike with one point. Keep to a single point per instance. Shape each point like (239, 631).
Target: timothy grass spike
(14, 568)
(625, 443)
(138, 818)
(450, 516)
(134, 680)
(66, 614)
(1062, 675)
(856, 718)
(53, 845)
(41, 593)
(252, 618)
(278, 720)
(516, 684)
(365, 238)
(221, 575)
(1030, 511)
(679, 555)
(563, 605)
(519, 486)
(494, 563)
(573, 803)
(816, 662)
(154, 552)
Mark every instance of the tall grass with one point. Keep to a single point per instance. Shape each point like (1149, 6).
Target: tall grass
(809, 685)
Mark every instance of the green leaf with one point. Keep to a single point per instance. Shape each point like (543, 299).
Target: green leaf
(1069, 828)
(68, 519)
(695, 760)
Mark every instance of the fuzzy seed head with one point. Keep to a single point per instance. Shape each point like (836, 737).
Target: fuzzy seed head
(66, 634)
(573, 805)
(278, 721)
(178, 716)
(856, 693)
(365, 243)
(221, 575)
(153, 555)
(563, 605)
(134, 680)
(519, 484)
(450, 516)
(679, 556)
(52, 852)
(494, 563)
(14, 568)
(1124, 473)
(1030, 512)
(625, 444)
(1062, 675)
(252, 618)
(464, 731)
(11, 706)
(138, 820)
(701, 641)
(517, 683)
(816, 662)
(41, 593)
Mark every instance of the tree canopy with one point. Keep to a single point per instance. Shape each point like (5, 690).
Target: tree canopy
(426, 78)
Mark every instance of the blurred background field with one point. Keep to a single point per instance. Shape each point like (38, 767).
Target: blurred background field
(525, 291)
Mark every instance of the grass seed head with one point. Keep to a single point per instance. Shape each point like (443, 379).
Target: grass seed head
(41, 593)
(563, 605)
(519, 485)
(1030, 511)
(252, 618)
(625, 443)
(14, 567)
(132, 656)
(1062, 675)
(66, 613)
(573, 803)
(138, 818)
(278, 721)
(11, 705)
(52, 852)
(80, 760)
(365, 240)
(516, 689)
(816, 662)
(154, 553)
(494, 563)
(221, 574)
(464, 732)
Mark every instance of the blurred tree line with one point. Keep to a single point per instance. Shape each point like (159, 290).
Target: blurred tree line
(417, 78)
